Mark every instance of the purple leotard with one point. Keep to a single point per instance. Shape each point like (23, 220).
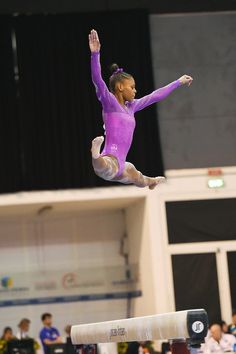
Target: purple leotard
(119, 121)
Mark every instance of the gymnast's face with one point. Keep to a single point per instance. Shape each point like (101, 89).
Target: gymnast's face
(127, 88)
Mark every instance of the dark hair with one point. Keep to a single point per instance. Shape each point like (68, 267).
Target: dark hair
(6, 329)
(234, 313)
(117, 75)
(214, 324)
(45, 315)
(68, 329)
(24, 321)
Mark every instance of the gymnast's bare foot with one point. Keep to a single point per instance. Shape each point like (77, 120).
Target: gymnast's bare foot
(156, 181)
(96, 146)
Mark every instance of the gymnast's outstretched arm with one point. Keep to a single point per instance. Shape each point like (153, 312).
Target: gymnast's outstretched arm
(160, 93)
(103, 94)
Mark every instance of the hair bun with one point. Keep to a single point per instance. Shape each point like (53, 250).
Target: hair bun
(114, 67)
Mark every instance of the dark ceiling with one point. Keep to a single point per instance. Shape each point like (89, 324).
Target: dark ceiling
(154, 6)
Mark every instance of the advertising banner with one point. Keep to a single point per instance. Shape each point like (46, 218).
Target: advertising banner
(85, 284)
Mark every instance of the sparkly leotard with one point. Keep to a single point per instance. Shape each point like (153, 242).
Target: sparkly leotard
(119, 120)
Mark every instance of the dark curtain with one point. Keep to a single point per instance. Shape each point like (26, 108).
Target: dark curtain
(231, 256)
(56, 108)
(59, 113)
(201, 220)
(10, 147)
(196, 283)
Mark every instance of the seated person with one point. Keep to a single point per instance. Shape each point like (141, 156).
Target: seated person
(232, 326)
(217, 341)
(224, 326)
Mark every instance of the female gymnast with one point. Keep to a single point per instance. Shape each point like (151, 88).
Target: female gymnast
(119, 105)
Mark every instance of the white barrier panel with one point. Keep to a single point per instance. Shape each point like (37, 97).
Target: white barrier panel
(189, 324)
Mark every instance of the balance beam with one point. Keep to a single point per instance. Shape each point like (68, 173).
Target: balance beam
(188, 325)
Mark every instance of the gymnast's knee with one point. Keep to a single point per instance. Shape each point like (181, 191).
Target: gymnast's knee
(109, 171)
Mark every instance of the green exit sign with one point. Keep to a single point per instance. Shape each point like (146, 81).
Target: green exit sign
(216, 183)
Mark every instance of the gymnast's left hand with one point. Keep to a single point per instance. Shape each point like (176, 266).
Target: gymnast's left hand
(186, 80)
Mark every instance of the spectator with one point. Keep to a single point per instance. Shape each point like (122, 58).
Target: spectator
(224, 326)
(232, 327)
(49, 335)
(67, 330)
(218, 341)
(23, 329)
(23, 332)
(69, 346)
(140, 348)
(7, 334)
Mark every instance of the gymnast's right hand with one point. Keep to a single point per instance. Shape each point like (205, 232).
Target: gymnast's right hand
(94, 43)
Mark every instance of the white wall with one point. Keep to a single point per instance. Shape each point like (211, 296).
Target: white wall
(93, 237)
(140, 252)
(71, 242)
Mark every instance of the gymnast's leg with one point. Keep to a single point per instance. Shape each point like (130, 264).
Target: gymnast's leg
(131, 175)
(105, 167)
